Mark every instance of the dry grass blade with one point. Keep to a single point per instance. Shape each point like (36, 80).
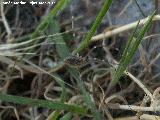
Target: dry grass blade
(122, 29)
(143, 117)
(140, 85)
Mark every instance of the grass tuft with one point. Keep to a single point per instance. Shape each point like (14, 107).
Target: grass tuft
(131, 49)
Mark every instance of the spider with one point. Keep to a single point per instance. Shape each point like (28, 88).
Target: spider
(74, 60)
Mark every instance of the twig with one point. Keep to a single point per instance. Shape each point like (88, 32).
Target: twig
(143, 104)
(125, 8)
(133, 107)
(140, 84)
(154, 60)
(140, 9)
(122, 29)
(143, 117)
(11, 107)
(108, 114)
(107, 100)
(150, 36)
(6, 25)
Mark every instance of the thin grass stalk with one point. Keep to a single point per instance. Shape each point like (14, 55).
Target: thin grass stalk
(140, 9)
(94, 27)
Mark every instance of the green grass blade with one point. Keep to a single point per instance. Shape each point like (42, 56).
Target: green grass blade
(141, 35)
(94, 27)
(128, 44)
(45, 22)
(62, 49)
(130, 50)
(63, 52)
(42, 103)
